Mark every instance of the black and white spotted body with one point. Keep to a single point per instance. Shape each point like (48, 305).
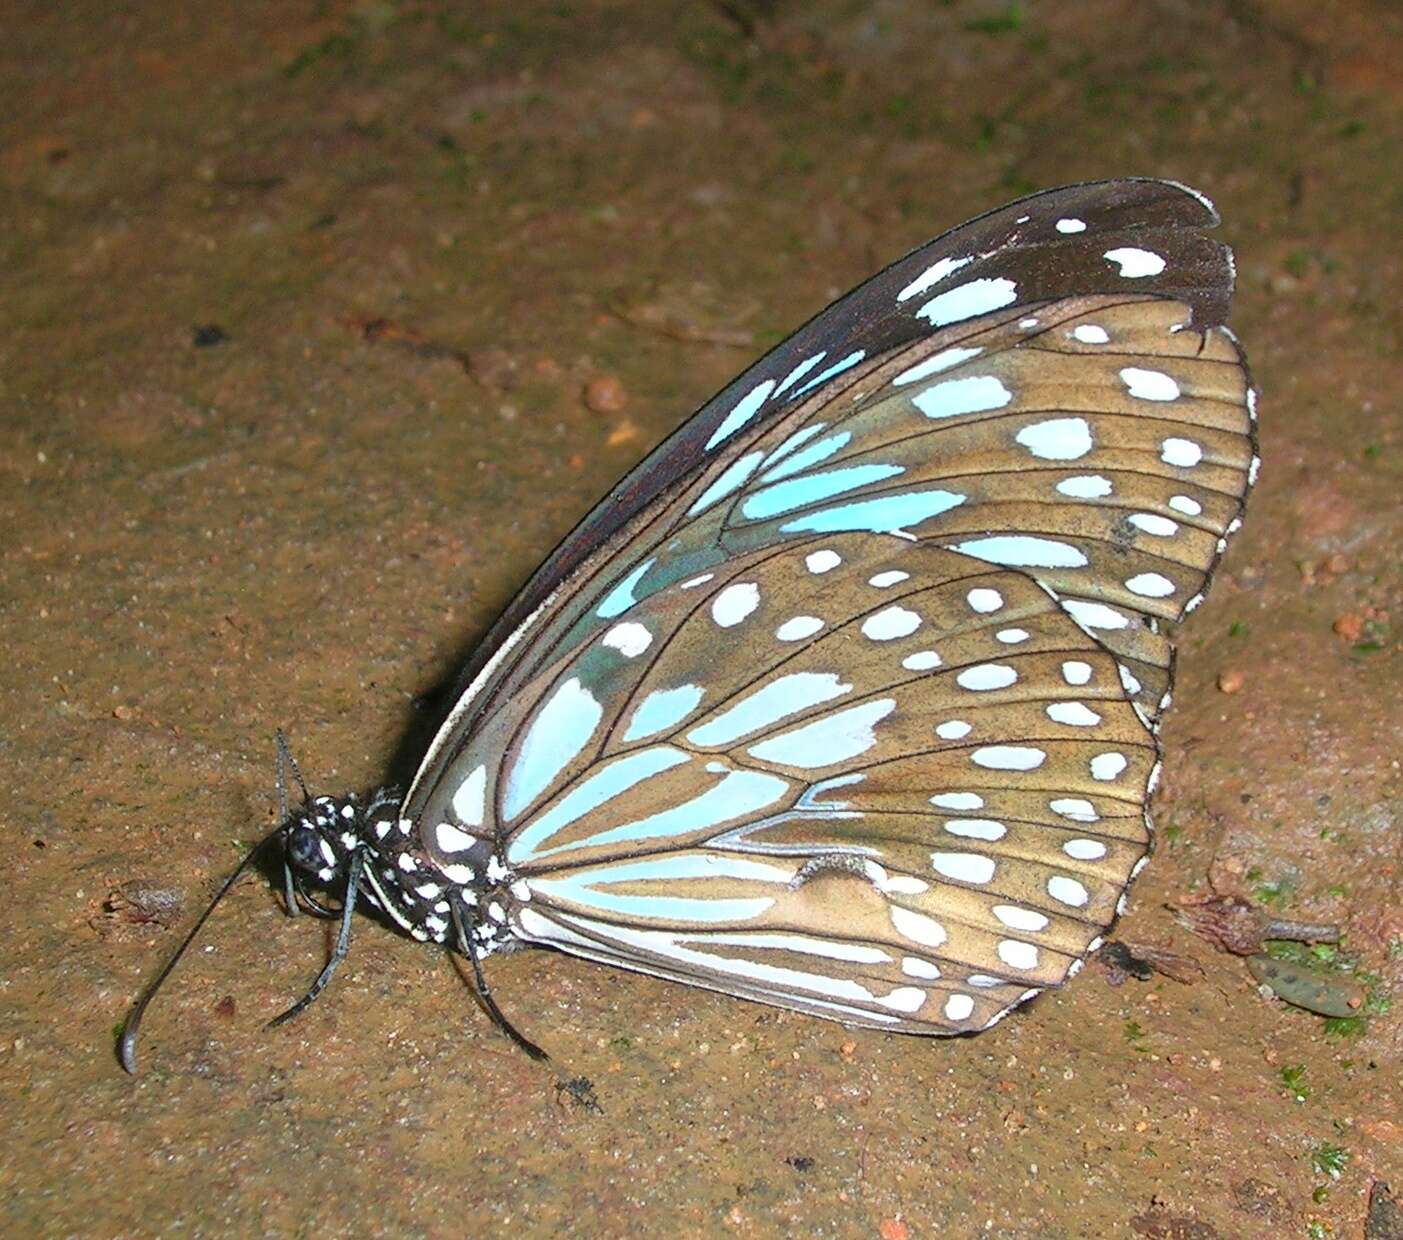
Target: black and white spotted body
(397, 877)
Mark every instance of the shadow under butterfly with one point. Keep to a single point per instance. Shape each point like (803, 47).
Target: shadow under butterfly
(845, 699)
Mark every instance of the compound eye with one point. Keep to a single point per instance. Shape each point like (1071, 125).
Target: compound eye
(304, 848)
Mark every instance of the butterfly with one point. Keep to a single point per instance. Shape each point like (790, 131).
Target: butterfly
(845, 699)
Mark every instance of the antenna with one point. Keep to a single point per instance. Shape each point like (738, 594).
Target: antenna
(126, 1046)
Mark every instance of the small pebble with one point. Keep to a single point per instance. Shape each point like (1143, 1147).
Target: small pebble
(893, 1229)
(207, 335)
(1349, 626)
(1231, 681)
(605, 394)
(624, 432)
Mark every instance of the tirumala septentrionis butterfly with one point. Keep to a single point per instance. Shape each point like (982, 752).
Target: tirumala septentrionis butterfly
(845, 699)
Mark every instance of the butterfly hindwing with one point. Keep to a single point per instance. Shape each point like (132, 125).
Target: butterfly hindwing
(838, 794)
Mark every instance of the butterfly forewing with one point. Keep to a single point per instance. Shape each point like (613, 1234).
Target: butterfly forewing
(1138, 238)
(844, 699)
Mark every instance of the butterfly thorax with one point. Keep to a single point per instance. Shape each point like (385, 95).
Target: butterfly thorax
(397, 876)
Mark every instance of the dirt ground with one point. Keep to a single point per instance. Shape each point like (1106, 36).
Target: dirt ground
(300, 303)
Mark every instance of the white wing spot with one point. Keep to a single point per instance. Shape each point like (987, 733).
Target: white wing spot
(904, 999)
(796, 628)
(661, 709)
(985, 601)
(1067, 891)
(986, 676)
(772, 701)
(1108, 766)
(914, 966)
(470, 801)
(696, 581)
(630, 639)
(890, 623)
(1153, 523)
(1183, 453)
(1023, 551)
(822, 561)
(828, 739)
(1149, 384)
(1057, 439)
(1011, 637)
(968, 300)
(955, 397)
(1182, 503)
(952, 730)
(800, 371)
(741, 413)
(957, 800)
(933, 274)
(975, 828)
(1018, 955)
(963, 867)
(1084, 850)
(1090, 333)
(1015, 917)
(1071, 226)
(1073, 714)
(452, 840)
(904, 885)
(958, 1007)
(1076, 808)
(921, 661)
(917, 927)
(1008, 757)
(1085, 486)
(1134, 263)
(734, 603)
(890, 578)
(1094, 615)
(943, 360)
(1150, 585)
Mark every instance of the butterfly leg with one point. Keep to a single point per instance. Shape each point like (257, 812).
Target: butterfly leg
(289, 890)
(343, 942)
(300, 900)
(464, 921)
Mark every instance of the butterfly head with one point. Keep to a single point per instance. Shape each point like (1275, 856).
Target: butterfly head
(320, 838)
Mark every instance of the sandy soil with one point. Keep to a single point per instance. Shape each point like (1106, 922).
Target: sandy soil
(300, 301)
